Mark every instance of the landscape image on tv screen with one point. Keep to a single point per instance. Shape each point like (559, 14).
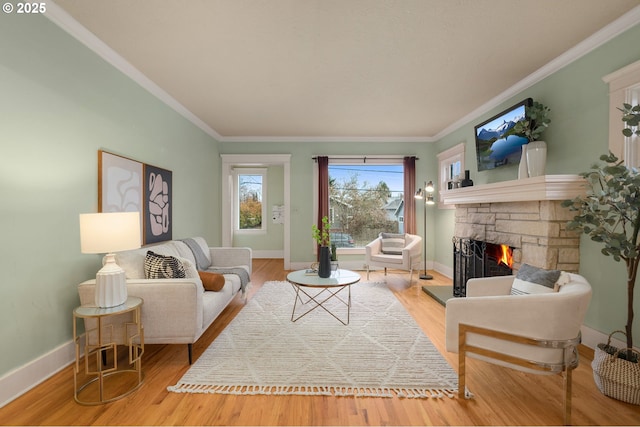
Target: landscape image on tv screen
(497, 144)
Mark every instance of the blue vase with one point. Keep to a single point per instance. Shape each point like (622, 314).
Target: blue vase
(324, 269)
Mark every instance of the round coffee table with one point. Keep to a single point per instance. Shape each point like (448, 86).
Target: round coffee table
(319, 291)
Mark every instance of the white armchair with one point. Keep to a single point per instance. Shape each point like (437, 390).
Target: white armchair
(406, 257)
(536, 333)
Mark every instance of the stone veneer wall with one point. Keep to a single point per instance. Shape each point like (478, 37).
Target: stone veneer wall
(536, 230)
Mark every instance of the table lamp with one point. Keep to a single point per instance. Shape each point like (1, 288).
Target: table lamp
(108, 233)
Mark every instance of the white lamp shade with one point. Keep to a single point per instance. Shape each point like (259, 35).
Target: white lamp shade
(429, 187)
(109, 232)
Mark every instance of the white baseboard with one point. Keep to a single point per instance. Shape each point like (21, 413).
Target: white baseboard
(443, 269)
(268, 254)
(15, 383)
(591, 338)
(300, 265)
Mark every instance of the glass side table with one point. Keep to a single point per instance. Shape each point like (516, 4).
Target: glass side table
(106, 375)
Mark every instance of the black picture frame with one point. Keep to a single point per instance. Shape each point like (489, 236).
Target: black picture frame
(158, 204)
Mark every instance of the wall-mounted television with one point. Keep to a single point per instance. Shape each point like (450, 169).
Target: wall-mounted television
(496, 142)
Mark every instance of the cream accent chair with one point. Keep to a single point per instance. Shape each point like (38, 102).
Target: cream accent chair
(408, 260)
(535, 333)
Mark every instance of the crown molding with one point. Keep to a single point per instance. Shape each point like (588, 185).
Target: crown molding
(592, 42)
(62, 19)
(326, 139)
(65, 21)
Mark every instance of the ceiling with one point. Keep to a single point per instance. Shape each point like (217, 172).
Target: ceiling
(322, 69)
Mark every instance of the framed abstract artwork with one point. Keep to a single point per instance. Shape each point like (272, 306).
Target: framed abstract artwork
(119, 183)
(157, 207)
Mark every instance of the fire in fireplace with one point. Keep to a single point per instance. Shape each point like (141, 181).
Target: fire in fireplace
(475, 258)
(499, 258)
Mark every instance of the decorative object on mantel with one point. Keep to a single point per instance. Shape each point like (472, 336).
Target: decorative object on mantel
(466, 182)
(610, 214)
(523, 172)
(109, 232)
(537, 120)
(322, 237)
(536, 154)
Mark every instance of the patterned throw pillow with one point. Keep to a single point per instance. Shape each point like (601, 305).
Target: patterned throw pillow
(533, 280)
(392, 243)
(158, 266)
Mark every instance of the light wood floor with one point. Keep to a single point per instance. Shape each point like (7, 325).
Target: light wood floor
(502, 396)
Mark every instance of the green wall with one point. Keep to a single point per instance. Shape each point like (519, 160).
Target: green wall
(577, 136)
(60, 104)
(273, 238)
(301, 171)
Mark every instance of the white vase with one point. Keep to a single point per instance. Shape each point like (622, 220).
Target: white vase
(536, 158)
(522, 167)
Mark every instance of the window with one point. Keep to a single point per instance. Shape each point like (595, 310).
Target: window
(365, 199)
(250, 204)
(632, 151)
(450, 167)
(624, 87)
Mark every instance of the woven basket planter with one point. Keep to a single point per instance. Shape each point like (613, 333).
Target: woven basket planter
(616, 377)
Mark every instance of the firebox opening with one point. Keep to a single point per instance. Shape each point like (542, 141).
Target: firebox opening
(474, 258)
(502, 254)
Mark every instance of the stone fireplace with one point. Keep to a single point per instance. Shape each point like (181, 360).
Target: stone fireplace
(525, 215)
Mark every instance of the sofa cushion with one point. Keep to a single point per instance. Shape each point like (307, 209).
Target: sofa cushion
(199, 255)
(205, 247)
(132, 262)
(183, 251)
(533, 280)
(167, 248)
(392, 243)
(211, 281)
(386, 259)
(190, 270)
(158, 266)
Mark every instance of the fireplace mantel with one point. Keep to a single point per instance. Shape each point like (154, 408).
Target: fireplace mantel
(547, 187)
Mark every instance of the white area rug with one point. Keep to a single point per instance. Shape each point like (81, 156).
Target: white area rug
(382, 351)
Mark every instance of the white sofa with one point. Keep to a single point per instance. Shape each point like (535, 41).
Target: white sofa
(178, 311)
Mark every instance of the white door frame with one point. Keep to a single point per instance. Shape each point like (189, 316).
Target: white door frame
(229, 161)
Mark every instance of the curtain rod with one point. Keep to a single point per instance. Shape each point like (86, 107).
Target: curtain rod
(364, 158)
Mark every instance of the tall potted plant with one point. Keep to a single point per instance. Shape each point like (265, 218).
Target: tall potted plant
(535, 151)
(323, 238)
(610, 214)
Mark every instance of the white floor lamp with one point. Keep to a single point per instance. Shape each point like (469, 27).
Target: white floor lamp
(425, 193)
